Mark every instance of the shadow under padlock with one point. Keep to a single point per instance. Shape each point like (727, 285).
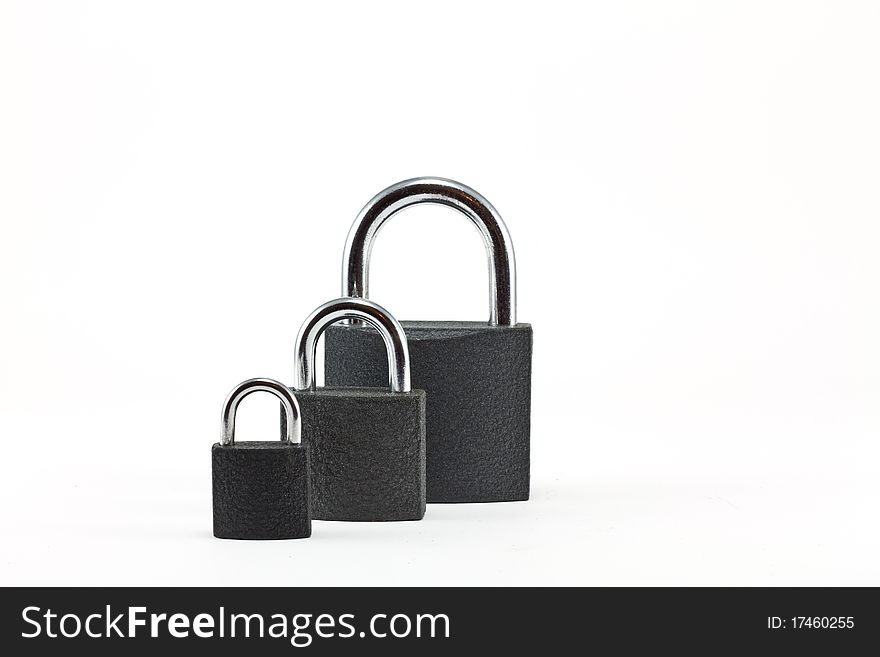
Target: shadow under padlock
(367, 444)
(477, 375)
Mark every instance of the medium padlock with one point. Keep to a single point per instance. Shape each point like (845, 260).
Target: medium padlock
(368, 444)
(261, 489)
(477, 376)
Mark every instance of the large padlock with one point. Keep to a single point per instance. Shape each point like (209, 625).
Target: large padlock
(477, 376)
(367, 444)
(261, 489)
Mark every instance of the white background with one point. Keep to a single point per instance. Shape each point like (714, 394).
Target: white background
(692, 189)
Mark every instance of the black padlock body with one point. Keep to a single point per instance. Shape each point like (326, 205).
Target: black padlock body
(367, 453)
(261, 490)
(477, 379)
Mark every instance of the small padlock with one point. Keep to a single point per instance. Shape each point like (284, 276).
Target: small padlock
(368, 444)
(261, 489)
(477, 375)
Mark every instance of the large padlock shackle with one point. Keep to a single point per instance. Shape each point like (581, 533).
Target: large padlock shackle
(242, 390)
(387, 203)
(359, 309)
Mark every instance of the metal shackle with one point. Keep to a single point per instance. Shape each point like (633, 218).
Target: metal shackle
(242, 390)
(358, 309)
(387, 203)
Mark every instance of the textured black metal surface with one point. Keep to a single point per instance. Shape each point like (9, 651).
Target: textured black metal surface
(261, 490)
(478, 384)
(367, 453)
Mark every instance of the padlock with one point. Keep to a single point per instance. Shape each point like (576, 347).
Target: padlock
(477, 376)
(367, 445)
(261, 489)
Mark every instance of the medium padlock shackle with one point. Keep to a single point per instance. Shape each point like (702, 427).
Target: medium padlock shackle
(360, 309)
(387, 203)
(242, 390)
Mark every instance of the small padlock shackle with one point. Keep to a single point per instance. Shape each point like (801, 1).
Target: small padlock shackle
(387, 203)
(242, 390)
(359, 309)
